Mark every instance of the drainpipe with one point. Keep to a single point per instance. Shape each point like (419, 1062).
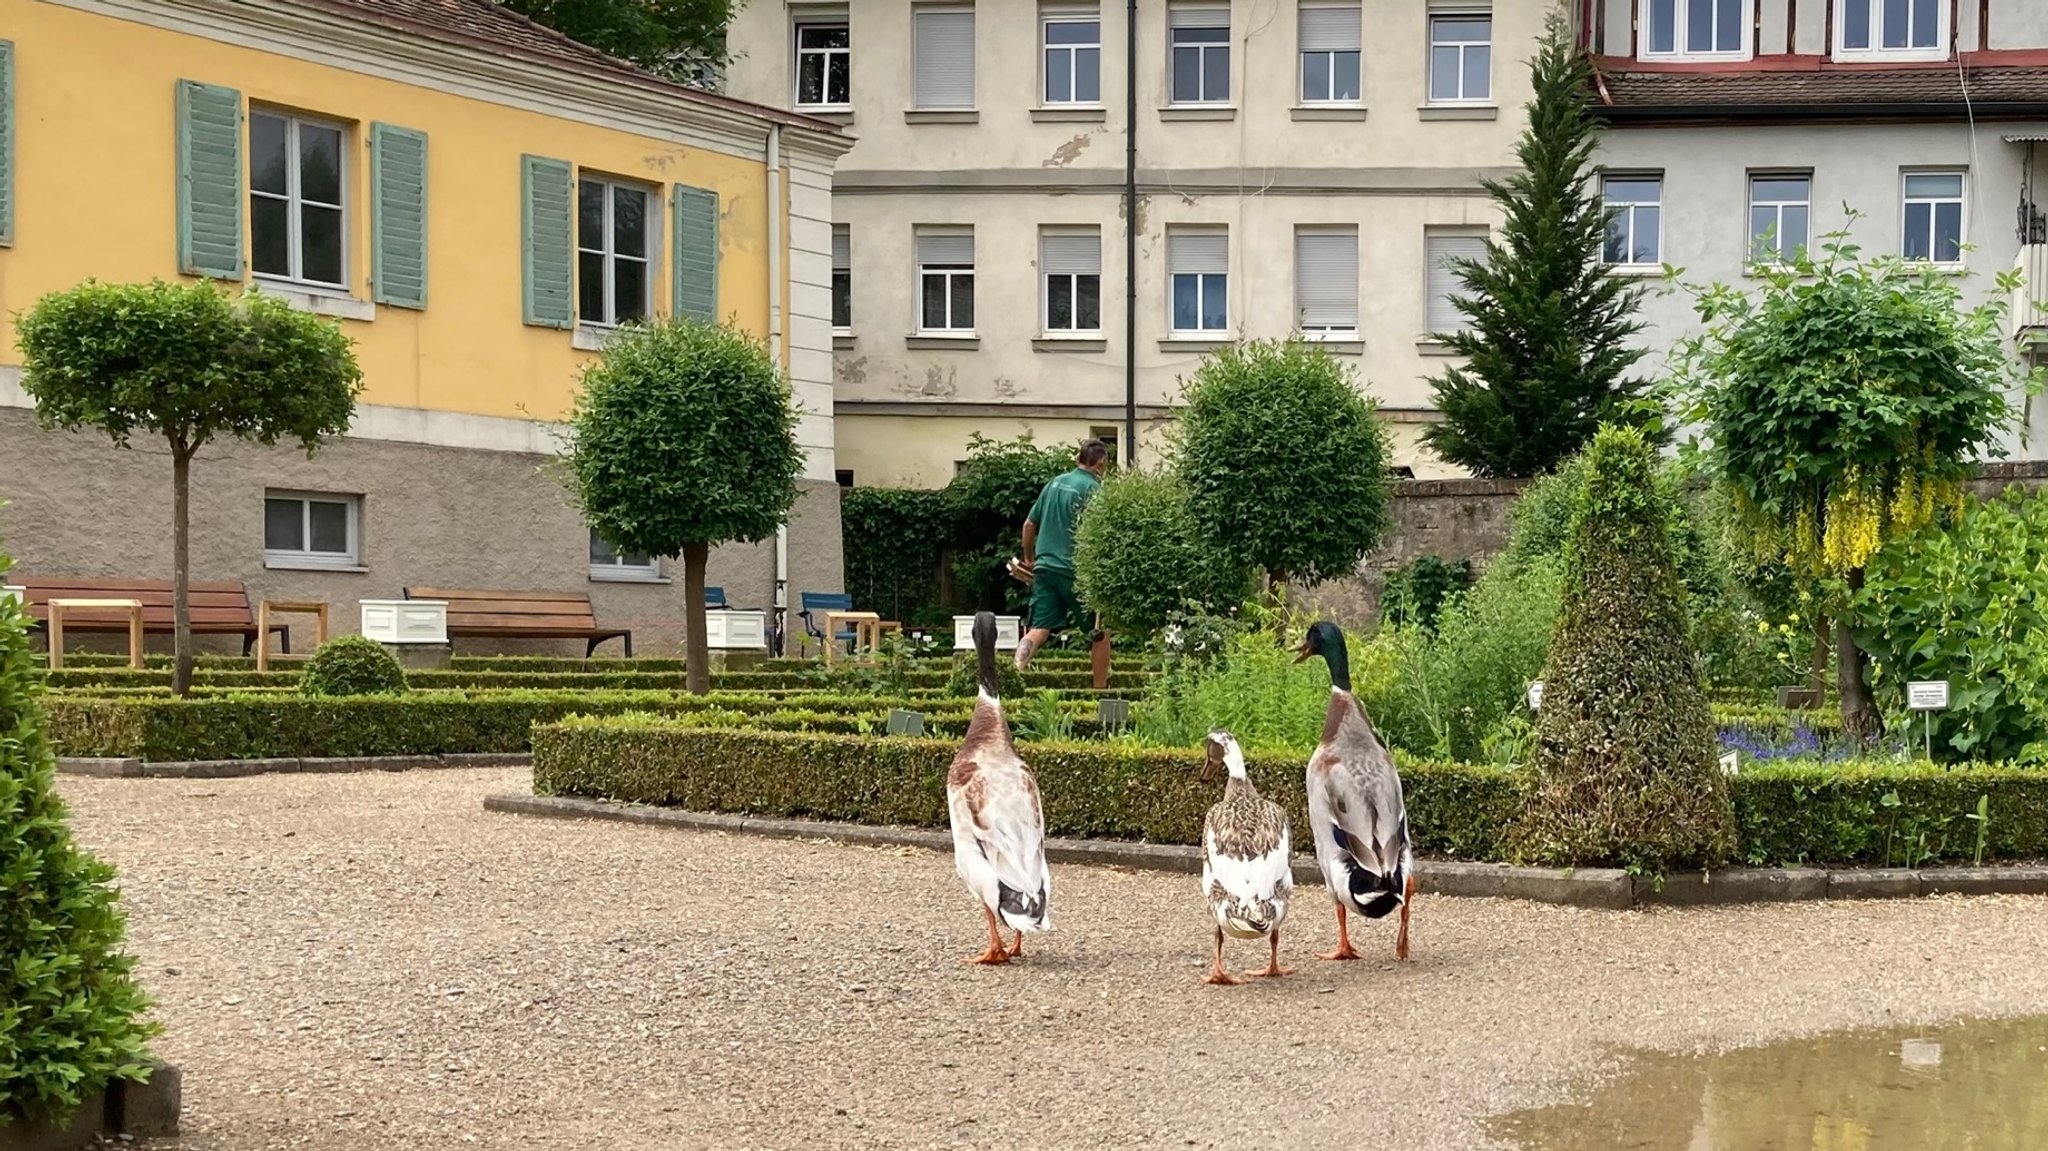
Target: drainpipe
(774, 156)
(1131, 233)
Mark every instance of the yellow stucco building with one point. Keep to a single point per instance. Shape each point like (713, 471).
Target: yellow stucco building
(478, 201)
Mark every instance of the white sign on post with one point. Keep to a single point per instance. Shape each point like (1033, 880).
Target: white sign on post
(1731, 762)
(1927, 695)
(1536, 695)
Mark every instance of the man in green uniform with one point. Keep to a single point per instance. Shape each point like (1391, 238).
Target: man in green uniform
(1049, 550)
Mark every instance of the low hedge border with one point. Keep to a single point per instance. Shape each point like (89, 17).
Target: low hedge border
(77, 679)
(1788, 814)
(1051, 661)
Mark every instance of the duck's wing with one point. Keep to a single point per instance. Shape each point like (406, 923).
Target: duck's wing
(1368, 817)
(1248, 854)
(999, 826)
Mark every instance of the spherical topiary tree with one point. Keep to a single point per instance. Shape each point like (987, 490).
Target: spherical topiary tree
(1626, 765)
(1139, 558)
(71, 1016)
(352, 665)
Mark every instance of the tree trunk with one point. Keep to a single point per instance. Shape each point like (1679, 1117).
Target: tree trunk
(181, 569)
(697, 648)
(1860, 719)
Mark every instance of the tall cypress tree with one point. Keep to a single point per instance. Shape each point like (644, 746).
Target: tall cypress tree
(1547, 346)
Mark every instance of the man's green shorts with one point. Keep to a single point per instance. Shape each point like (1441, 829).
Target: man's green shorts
(1054, 606)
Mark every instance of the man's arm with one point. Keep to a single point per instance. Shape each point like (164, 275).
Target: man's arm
(1030, 543)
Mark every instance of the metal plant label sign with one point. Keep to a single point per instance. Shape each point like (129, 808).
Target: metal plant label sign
(1927, 695)
(1731, 762)
(1536, 695)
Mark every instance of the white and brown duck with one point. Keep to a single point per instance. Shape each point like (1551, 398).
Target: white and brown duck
(998, 821)
(1247, 873)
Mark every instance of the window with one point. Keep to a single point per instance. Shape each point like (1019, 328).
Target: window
(1198, 266)
(945, 280)
(307, 529)
(1779, 210)
(1893, 28)
(1073, 58)
(843, 477)
(1934, 217)
(1443, 250)
(296, 199)
(613, 281)
(1696, 28)
(1071, 261)
(1634, 205)
(1460, 58)
(842, 279)
(606, 564)
(1329, 53)
(1109, 437)
(944, 72)
(1326, 280)
(824, 65)
(1201, 55)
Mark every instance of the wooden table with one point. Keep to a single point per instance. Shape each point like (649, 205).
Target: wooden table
(264, 610)
(132, 606)
(867, 627)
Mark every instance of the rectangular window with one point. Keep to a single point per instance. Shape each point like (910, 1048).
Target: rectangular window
(944, 72)
(1329, 53)
(614, 284)
(1073, 57)
(842, 279)
(1198, 271)
(296, 199)
(606, 564)
(1070, 259)
(824, 65)
(1326, 280)
(1443, 250)
(1934, 217)
(1780, 209)
(310, 529)
(1892, 29)
(945, 280)
(1200, 43)
(1634, 206)
(1460, 58)
(1696, 29)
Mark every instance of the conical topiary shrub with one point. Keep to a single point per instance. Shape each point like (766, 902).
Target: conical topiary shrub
(1626, 769)
(71, 1016)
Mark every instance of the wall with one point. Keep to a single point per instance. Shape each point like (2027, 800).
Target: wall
(2014, 24)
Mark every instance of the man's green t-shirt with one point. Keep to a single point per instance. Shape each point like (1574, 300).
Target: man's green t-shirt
(1058, 508)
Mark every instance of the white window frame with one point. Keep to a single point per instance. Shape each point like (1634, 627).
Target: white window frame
(798, 52)
(303, 556)
(619, 570)
(1462, 323)
(1778, 253)
(1202, 288)
(1463, 97)
(1961, 199)
(950, 273)
(1046, 19)
(1875, 50)
(1204, 48)
(295, 203)
(842, 238)
(1680, 17)
(1629, 209)
(1329, 65)
(1045, 280)
(650, 222)
(1324, 333)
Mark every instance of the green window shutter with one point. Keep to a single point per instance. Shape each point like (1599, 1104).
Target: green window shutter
(398, 226)
(209, 180)
(696, 262)
(6, 142)
(547, 190)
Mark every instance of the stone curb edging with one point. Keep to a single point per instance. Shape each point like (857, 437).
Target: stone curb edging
(238, 768)
(1597, 887)
(126, 1110)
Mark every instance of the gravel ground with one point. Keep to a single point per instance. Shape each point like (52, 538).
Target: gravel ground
(372, 961)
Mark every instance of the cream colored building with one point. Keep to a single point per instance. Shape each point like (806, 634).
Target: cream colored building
(1300, 164)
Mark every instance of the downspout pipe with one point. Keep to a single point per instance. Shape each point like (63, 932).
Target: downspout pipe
(1131, 233)
(775, 273)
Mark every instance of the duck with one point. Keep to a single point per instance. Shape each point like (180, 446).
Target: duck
(1247, 870)
(998, 820)
(1355, 808)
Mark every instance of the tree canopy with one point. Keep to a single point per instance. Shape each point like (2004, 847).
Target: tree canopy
(672, 38)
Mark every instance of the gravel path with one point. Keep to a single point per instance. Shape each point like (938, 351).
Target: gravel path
(372, 961)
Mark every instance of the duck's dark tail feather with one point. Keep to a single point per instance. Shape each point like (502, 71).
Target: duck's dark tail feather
(985, 652)
(1376, 895)
(1018, 909)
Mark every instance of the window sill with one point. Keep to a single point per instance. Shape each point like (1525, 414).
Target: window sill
(279, 563)
(1070, 344)
(1458, 112)
(964, 342)
(941, 116)
(1198, 112)
(1894, 56)
(1636, 271)
(1070, 114)
(318, 300)
(1327, 112)
(592, 337)
(1196, 343)
(842, 341)
(1431, 346)
(597, 576)
(836, 114)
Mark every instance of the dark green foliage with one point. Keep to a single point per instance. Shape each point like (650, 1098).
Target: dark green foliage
(989, 499)
(923, 675)
(71, 1015)
(678, 39)
(1625, 753)
(1416, 591)
(1139, 558)
(1285, 460)
(962, 684)
(894, 541)
(352, 665)
(1550, 326)
(1795, 813)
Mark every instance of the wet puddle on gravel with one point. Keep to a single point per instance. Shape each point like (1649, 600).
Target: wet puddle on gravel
(1979, 1086)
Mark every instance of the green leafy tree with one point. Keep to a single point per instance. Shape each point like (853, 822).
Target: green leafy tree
(1844, 402)
(894, 540)
(1547, 347)
(678, 39)
(1625, 760)
(989, 498)
(1140, 559)
(71, 1015)
(683, 438)
(189, 364)
(1285, 461)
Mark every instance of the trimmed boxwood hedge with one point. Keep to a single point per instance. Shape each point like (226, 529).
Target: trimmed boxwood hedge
(79, 679)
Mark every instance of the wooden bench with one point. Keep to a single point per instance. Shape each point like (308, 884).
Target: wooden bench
(218, 607)
(488, 614)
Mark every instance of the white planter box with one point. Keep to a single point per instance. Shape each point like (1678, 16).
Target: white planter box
(405, 620)
(728, 630)
(9, 592)
(1008, 628)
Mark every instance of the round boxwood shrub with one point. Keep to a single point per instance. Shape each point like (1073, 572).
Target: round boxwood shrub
(1140, 560)
(352, 665)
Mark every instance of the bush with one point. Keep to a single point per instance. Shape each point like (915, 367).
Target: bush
(894, 541)
(965, 680)
(1626, 770)
(71, 1015)
(1416, 591)
(989, 499)
(1139, 558)
(1248, 684)
(352, 665)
